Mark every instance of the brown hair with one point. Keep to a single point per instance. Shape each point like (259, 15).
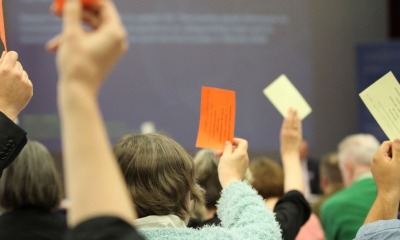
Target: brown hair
(159, 174)
(267, 177)
(329, 168)
(206, 165)
(32, 179)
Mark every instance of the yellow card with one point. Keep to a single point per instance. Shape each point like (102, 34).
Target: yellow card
(382, 99)
(284, 95)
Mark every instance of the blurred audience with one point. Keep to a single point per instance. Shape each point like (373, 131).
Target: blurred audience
(344, 212)
(330, 180)
(268, 181)
(30, 192)
(161, 178)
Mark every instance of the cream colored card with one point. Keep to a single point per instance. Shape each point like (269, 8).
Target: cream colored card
(284, 95)
(382, 99)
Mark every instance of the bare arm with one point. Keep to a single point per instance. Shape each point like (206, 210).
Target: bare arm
(385, 169)
(290, 137)
(94, 183)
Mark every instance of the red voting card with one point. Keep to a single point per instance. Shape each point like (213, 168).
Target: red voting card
(217, 118)
(2, 27)
(58, 4)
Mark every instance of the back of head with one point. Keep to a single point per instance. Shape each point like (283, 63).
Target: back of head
(31, 180)
(329, 168)
(267, 177)
(206, 165)
(159, 174)
(358, 148)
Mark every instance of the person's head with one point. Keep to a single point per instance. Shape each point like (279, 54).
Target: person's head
(159, 173)
(330, 175)
(31, 180)
(355, 153)
(206, 165)
(267, 177)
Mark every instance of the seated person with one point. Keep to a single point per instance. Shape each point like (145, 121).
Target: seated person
(344, 212)
(330, 180)
(161, 178)
(381, 222)
(206, 165)
(268, 178)
(30, 192)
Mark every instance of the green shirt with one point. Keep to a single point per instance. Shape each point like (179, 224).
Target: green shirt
(344, 213)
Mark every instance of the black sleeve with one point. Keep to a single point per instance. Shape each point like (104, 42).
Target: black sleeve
(12, 141)
(104, 228)
(292, 211)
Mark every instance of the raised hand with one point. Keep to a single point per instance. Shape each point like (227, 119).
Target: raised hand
(234, 162)
(16, 89)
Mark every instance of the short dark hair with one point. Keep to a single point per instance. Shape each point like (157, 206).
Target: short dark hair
(159, 174)
(32, 179)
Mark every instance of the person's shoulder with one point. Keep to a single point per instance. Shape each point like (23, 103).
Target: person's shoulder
(382, 229)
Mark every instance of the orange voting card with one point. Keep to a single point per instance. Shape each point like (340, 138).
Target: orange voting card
(2, 27)
(58, 5)
(217, 118)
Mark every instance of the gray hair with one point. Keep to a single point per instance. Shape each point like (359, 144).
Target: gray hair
(359, 148)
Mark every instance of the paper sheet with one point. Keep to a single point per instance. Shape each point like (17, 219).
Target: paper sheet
(217, 118)
(284, 95)
(382, 99)
(2, 27)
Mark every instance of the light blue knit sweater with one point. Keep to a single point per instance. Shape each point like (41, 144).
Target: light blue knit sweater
(243, 215)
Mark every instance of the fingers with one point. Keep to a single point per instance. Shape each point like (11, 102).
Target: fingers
(72, 15)
(396, 149)
(53, 44)
(10, 59)
(228, 148)
(109, 13)
(241, 144)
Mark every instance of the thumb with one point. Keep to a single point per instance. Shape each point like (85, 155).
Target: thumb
(72, 15)
(227, 149)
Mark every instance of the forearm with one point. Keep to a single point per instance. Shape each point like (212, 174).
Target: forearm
(385, 207)
(94, 183)
(294, 179)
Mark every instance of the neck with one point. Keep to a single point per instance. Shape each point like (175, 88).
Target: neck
(210, 213)
(271, 202)
(361, 170)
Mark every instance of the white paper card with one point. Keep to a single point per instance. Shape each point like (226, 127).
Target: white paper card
(284, 95)
(382, 99)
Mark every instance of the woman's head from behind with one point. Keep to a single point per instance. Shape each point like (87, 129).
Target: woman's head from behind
(31, 180)
(267, 177)
(159, 174)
